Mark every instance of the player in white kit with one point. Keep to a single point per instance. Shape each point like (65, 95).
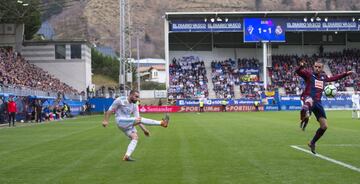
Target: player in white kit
(124, 107)
(356, 104)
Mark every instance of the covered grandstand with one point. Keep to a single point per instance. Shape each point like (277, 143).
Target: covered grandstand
(234, 65)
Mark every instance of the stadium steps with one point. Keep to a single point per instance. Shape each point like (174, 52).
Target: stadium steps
(209, 77)
(237, 92)
(350, 89)
(327, 69)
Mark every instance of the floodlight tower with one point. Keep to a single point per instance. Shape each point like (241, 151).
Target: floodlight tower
(124, 45)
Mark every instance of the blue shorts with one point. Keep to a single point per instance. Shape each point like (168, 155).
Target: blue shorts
(318, 110)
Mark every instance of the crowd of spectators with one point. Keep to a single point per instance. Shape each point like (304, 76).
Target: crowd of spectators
(284, 66)
(224, 76)
(187, 78)
(339, 62)
(28, 109)
(282, 72)
(227, 74)
(16, 72)
(250, 86)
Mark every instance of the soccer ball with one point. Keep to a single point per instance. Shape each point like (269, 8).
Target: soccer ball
(330, 91)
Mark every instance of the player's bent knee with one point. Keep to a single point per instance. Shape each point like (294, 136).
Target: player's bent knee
(134, 136)
(323, 123)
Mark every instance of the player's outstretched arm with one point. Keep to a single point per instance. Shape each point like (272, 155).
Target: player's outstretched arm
(350, 73)
(339, 76)
(301, 70)
(107, 115)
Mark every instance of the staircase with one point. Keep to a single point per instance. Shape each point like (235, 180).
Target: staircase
(209, 77)
(327, 68)
(237, 91)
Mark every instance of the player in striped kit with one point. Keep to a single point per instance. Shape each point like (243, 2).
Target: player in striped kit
(315, 82)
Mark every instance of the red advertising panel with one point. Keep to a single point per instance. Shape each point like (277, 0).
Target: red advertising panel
(164, 109)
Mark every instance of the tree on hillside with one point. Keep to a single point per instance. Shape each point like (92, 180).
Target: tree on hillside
(26, 13)
(104, 65)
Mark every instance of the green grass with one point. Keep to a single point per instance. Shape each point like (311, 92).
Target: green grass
(205, 148)
(103, 80)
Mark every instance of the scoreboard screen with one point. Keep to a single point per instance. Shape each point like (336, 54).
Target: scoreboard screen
(263, 29)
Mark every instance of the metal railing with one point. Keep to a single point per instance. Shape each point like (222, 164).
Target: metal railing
(31, 92)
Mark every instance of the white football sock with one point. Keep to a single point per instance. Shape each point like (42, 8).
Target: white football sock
(146, 121)
(131, 147)
(358, 114)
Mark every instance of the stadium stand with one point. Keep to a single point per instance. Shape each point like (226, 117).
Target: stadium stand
(249, 77)
(228, 74)
(16, 72)
(187, 78)
(224, 77)
(283, 67)
(343, 61)
(282, 72)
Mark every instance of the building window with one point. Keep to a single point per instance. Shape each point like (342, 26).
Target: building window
(75, 51)
(155, 74)
(60, 52)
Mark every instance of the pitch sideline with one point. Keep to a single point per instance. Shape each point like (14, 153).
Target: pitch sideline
(327, 159)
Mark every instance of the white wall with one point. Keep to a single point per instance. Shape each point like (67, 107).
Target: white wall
(71, 73)
(74, 72)
(161, 76)
(7, 40)
(12, 35)
(146, 94)
(296, 50)
(217, 54)
(39, 52)
(222, 54)
(249, 53)
(353, 45)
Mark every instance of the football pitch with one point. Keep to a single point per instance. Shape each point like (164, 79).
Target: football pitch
(251, 147)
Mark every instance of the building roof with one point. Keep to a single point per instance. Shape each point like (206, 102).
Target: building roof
(156, 67)
(49, 42)
(149, 61)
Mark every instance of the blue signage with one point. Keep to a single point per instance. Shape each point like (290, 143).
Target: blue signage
(215, 102)
(263, 29)
(300, 25)
(248, 71)
(183, 26)
(294, 102)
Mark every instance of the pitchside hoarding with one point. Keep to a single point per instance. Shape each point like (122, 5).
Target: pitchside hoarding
(172, 109)
(216, 102)
(340, 102)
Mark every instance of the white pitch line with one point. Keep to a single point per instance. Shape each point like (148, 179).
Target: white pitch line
(336, 145)
(327, 158)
